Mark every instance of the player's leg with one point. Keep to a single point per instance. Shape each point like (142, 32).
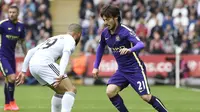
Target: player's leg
(139, 82)
(68, 89)
(9, 84)
(56, 101)
(45, 76)
(155, 102)
(116, 83)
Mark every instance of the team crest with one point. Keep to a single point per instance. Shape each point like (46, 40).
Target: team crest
(117, 38)
(6, 70)
(19, 29)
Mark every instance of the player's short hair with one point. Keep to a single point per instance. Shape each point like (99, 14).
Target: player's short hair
(14, 7)
(110, 11)
(76, 28)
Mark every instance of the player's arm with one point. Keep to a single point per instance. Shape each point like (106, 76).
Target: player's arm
(1, 29)
(22, 42)
(63, 64)
(21, 76)
(67, 51)
(27, 58)
(99, 54)
(134, 39)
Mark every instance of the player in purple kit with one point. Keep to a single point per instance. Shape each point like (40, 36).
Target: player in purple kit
(11, 31)
(125, 47)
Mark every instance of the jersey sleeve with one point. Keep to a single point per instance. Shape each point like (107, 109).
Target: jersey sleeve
(22, 35)
(133, 38)
(1, 28)
(137, 45)
(69, 46)
(100, 51)
(27, 59)
(67, 50)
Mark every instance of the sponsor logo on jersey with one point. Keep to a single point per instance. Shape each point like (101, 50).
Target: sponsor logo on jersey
(117, 38)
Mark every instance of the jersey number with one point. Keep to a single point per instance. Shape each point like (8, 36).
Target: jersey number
(141, 85)
(48, 43)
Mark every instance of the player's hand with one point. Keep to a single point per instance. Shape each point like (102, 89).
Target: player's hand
(58, 80)
(124, 51)
(95, 73)
(20, 78)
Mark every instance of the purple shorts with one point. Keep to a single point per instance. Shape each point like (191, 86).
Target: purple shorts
(137, 80)
(7, 67)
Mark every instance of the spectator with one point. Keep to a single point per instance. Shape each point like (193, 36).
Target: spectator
(175, 21)
(129, 19)
(156, 45)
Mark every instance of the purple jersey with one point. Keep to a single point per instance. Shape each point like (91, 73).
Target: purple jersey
(10, 33)
(123, 37)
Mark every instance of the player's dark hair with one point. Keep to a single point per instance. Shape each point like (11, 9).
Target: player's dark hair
(14, 7)
(110, 11)
(76, 28)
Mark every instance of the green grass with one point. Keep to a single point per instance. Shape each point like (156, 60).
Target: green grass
(93, 99)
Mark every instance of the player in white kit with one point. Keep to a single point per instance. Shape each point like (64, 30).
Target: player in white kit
(41, 61)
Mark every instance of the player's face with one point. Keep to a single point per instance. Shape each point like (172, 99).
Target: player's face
(78, 38)
(110, 22)
(12, 14)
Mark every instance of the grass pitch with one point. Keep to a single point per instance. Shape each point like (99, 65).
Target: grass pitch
(94, 99)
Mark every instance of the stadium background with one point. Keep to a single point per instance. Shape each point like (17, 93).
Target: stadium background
(160, 24)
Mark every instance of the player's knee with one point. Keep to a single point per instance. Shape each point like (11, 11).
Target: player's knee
(11, 78)
(72, 89)
(110, 93)
(146, 98)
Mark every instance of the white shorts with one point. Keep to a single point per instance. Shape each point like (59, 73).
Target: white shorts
(45, 74)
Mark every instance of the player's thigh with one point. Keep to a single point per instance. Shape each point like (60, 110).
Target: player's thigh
(118, 80)
(65, 86)
(7, 70)
(138, 81)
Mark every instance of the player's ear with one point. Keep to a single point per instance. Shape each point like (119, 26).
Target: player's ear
(116, 18)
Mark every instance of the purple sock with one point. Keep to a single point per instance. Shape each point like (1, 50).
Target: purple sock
(6, 93)
(118, 102)
(11, 87)
(157, 104)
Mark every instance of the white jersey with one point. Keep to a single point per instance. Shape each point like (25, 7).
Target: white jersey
(41, 59)
(52, 49)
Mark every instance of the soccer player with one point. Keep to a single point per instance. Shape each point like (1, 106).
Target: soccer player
(125, 47)
(42, 64)
(11, 32)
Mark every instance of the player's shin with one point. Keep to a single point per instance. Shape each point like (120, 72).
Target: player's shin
(68, 101)
(118, 102)
(157, 104)
(56, 103)
(11, 88)
(7, 95)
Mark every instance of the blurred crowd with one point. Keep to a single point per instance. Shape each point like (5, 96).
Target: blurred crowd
(36, 17)
(160, 24)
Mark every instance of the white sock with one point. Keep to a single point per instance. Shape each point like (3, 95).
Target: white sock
(56, 103)
(68, 101)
